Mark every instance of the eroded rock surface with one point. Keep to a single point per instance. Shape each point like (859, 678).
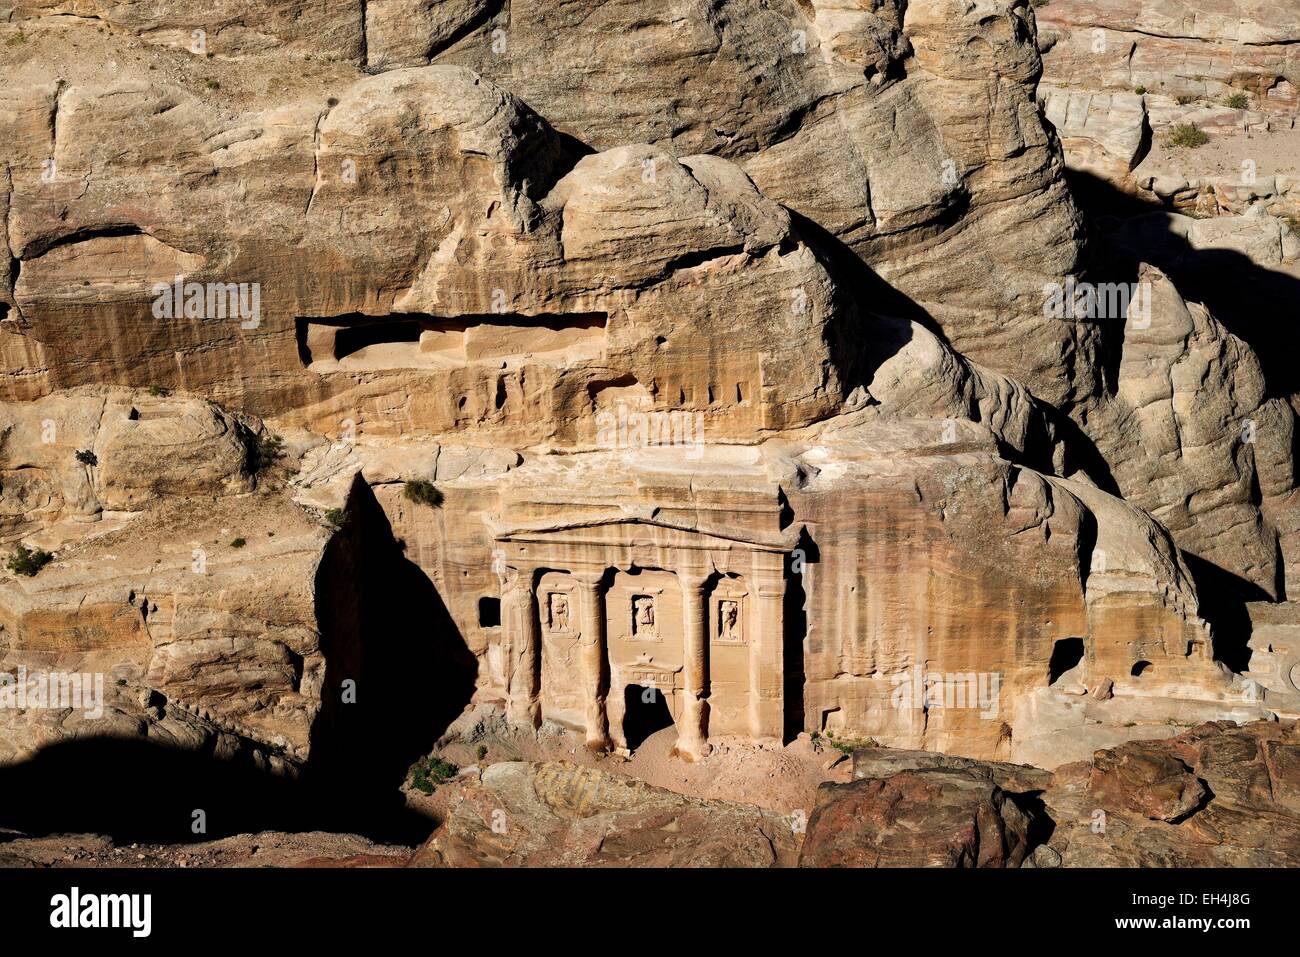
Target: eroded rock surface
(1216, 795)
(557, 815)
(697, 349)
(927, 818)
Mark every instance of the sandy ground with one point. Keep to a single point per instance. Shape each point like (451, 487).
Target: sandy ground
(779, 779)
(1274, 152)
(268, 849)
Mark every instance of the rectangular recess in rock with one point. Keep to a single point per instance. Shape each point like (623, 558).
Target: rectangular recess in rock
(417, 341)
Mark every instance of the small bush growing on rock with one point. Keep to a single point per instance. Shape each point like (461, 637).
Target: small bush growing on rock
(336, 517)
(1139, 90)
(239, 543)
(481, 753)
(1187, 136)
(87, 457)
(423, 492)
(158, 392)
(25, 561)
(427, 773)
(264, 451)
(1239, 101)
(1184, 99)
(849, 745)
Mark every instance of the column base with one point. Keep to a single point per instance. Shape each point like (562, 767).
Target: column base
(525, 717)
(691, 751)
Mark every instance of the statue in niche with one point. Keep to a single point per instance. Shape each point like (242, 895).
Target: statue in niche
(558, 612)
(729, 621)
(643, 616)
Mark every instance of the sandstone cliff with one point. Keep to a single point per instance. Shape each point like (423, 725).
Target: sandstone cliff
(481, 246)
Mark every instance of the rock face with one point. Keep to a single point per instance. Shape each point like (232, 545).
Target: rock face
(1117, 78)
(1204, 48)
(725, 349)
(1216, 795)
(964, 821)
(557, 815)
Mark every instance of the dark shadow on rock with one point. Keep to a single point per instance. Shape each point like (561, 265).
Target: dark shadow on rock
(398, 670)
(1224, 597)
(1041, 825)
(1258, 305)
(795, 618)
(135, 790)
(877, 325)
(870, 332)
(384, 629)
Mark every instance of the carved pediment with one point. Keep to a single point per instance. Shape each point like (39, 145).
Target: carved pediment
(651, 529)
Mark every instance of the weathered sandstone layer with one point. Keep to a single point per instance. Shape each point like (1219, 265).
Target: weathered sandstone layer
(707, 365)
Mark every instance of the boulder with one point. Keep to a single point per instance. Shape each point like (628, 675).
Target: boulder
(555, 814)
(937, 817)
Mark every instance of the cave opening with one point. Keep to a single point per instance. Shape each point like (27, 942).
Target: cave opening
(1066, 654)
(647, 712)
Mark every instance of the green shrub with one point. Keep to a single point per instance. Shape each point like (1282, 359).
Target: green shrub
(427, 773)
(87, 457)
(1139, 90)
(336, 517)
(1183, 99)
(159, 392)
(1239, 101)
(264, 451)
(481, 753)
(1187, 136)
(16, 39)
(26, 562)
(423, 492)
(849, 745)
(239, 543)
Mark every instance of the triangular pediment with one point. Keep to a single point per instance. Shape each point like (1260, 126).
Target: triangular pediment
(641, 527)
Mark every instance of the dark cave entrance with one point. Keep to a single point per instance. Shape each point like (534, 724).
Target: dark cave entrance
(1066, 654)
(647, 712)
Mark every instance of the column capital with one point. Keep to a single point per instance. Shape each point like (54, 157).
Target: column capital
(692, 579)
(588, 577)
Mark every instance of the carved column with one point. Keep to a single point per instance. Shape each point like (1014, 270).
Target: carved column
(521, 633)
(591, 602)
(616, 712)
(766, 658)
(693, 730)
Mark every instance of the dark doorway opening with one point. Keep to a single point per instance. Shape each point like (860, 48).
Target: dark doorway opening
(1066, 653)
(647, 712)
(795, 636)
